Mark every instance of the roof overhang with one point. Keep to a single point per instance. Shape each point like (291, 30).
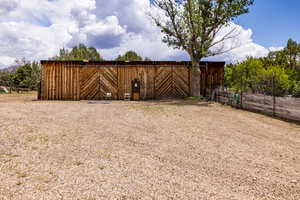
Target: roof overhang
(131, 63)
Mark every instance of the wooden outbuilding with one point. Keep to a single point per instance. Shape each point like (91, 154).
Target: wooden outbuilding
(98, 80)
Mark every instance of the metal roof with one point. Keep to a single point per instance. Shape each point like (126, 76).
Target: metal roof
(164, 63)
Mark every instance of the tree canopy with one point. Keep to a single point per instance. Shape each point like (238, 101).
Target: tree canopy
(129, 56)
(80, 52)
(279, 70)
(194, 26)
(25, 76)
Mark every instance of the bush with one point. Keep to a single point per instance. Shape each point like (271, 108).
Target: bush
(282, 82)
(296, 90)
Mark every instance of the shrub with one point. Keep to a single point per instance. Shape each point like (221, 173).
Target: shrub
(296, 90)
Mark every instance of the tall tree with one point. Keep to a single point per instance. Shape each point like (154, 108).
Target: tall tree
(292, 51)
(80, 52)
(289, 58)
(27, 76)
(129, 56)
(194, 25)
(6, 79)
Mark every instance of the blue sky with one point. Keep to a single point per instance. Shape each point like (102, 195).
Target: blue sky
(273, 21)
(37, 29)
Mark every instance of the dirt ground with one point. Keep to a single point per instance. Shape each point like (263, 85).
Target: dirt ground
(144, 150)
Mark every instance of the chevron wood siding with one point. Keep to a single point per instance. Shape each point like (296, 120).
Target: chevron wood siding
(89, 83)
(181, 82)
(172, 82)
(96, 82)
(108, 82)
(64, 80)
(163, 82)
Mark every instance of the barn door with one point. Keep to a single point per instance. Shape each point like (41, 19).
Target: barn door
(181, 82)
(108, 83)
(172, 82)
(164, 82)
(89, 83)
(97, 82)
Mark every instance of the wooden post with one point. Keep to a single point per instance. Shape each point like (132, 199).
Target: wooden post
(241, 97)
(274, 97)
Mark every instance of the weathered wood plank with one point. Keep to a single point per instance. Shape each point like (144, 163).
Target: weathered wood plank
(108, 82)
(75, 80)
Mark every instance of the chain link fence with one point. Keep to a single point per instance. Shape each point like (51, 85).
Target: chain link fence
(268, 97)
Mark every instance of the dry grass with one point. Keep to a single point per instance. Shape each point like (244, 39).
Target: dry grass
(18, 97)
(144, 150)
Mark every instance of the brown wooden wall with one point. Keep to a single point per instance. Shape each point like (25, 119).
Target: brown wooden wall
(60, 82)
(70, 80)
(212, 77)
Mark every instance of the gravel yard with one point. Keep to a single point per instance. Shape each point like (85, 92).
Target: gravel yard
(144, 150)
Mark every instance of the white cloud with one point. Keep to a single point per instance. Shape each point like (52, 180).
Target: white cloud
(37, 29)
(7, 6)
(147, 45)
(6, 60)
(30, 41)
(105, 34)
(276, 48)
(242, 45)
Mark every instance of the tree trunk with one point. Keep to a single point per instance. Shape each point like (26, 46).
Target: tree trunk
(195, 78)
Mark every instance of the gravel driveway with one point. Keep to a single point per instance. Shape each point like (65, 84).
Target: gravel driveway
(144, 150)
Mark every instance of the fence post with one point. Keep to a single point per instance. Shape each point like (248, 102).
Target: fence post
(242, 86)
(39, 90)
(264, 107)
(274, 97)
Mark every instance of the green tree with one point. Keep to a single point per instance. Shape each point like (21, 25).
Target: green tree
(228, 76)
(276, 58)
(276, 81)
(246, 75)
(129, 56)
(258, 73)
(296, 89)
(193, 26)
(27, 76)
(22, 76)
(80, 52)
(252, 75)
(35, 75)
(292, 52)
(6, 79)
(288, 58)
